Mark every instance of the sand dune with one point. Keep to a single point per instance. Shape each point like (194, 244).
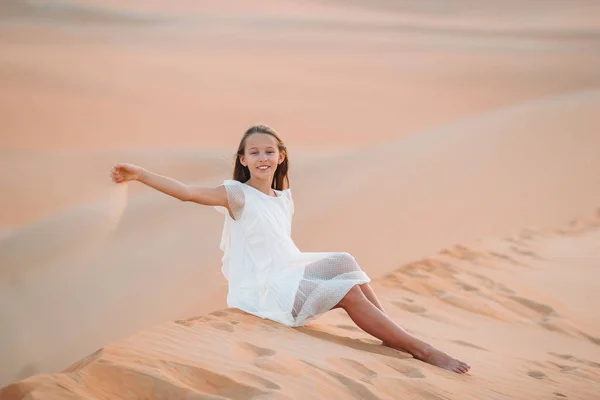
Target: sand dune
(412, 126)
(499, 322)
(530, 164)
(199, 82)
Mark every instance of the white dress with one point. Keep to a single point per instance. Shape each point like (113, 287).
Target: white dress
(268, 275)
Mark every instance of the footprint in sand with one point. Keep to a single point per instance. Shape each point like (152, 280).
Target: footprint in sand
(467, 344)
(564, 368)
(527, 234)
(483, 280)
(424, 312)
(507, 258)
(592, 339)
(564, 356)
(537, 374)
(524, 252)
(348, 327)
(406, 370)
(461, 252)
(268, 327)
(192, 321)
(392, 279)
(253, 378)
(466, 287)
(219, 313)
(513, 240)
(352, 368)
(540, 308)
(575, 359)
(413, 308)
(223, 326)
(415, 273)
(503, 288)
(356, 388)
(249, 352)
(210, 383)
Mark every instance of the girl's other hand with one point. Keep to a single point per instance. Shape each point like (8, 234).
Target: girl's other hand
(125, 172)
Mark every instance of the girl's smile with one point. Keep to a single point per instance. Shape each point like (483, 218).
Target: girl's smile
(262, 155)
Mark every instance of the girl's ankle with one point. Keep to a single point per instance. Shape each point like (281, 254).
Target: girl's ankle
(422, 351)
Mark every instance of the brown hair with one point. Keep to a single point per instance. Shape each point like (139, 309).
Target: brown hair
(242, 174)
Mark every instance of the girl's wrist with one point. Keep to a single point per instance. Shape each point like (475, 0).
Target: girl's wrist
(142, 173)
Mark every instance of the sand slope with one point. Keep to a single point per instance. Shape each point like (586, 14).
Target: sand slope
(411, 126)
(528, 165)
(482, 301)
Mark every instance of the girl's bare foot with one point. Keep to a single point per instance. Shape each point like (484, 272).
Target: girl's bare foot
(440, 359)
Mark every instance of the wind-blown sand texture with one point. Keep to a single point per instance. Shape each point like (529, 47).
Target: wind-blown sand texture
(517, 307)
(412, 127)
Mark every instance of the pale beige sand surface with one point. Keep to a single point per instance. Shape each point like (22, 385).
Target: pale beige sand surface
(482, 300)
(411, 128)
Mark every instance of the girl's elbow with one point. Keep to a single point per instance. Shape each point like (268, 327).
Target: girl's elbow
(186, 195)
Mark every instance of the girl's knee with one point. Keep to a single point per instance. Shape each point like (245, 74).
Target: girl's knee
(346, 262)
(347, 257)
(353, 296)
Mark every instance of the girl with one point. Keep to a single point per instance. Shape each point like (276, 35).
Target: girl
(268, 276)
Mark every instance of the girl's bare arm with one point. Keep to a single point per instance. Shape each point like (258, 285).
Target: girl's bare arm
(207, 196)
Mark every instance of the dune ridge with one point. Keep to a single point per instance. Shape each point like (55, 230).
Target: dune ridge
(170, 85)
(488, 287)
(530, 165)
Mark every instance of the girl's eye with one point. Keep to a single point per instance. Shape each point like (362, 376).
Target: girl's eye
(270, 152)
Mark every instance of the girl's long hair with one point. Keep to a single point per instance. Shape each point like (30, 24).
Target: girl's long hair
(242, 174)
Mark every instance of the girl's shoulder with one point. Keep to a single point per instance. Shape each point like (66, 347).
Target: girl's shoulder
(232, 183)
(285, 192)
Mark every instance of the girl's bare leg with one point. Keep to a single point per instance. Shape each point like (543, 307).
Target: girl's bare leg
(374, 321)
(370, 294)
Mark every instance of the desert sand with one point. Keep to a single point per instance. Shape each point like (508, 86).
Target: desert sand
(453, 150)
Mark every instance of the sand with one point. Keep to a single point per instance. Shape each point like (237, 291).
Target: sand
(453, 151)
(517, 307)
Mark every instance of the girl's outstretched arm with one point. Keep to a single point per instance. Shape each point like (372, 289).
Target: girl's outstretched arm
(207, 196)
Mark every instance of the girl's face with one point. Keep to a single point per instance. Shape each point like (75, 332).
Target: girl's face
(261, 156)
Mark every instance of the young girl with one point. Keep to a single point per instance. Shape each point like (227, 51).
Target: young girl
(268, 275)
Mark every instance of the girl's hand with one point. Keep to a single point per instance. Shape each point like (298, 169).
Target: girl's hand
(125, 172)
